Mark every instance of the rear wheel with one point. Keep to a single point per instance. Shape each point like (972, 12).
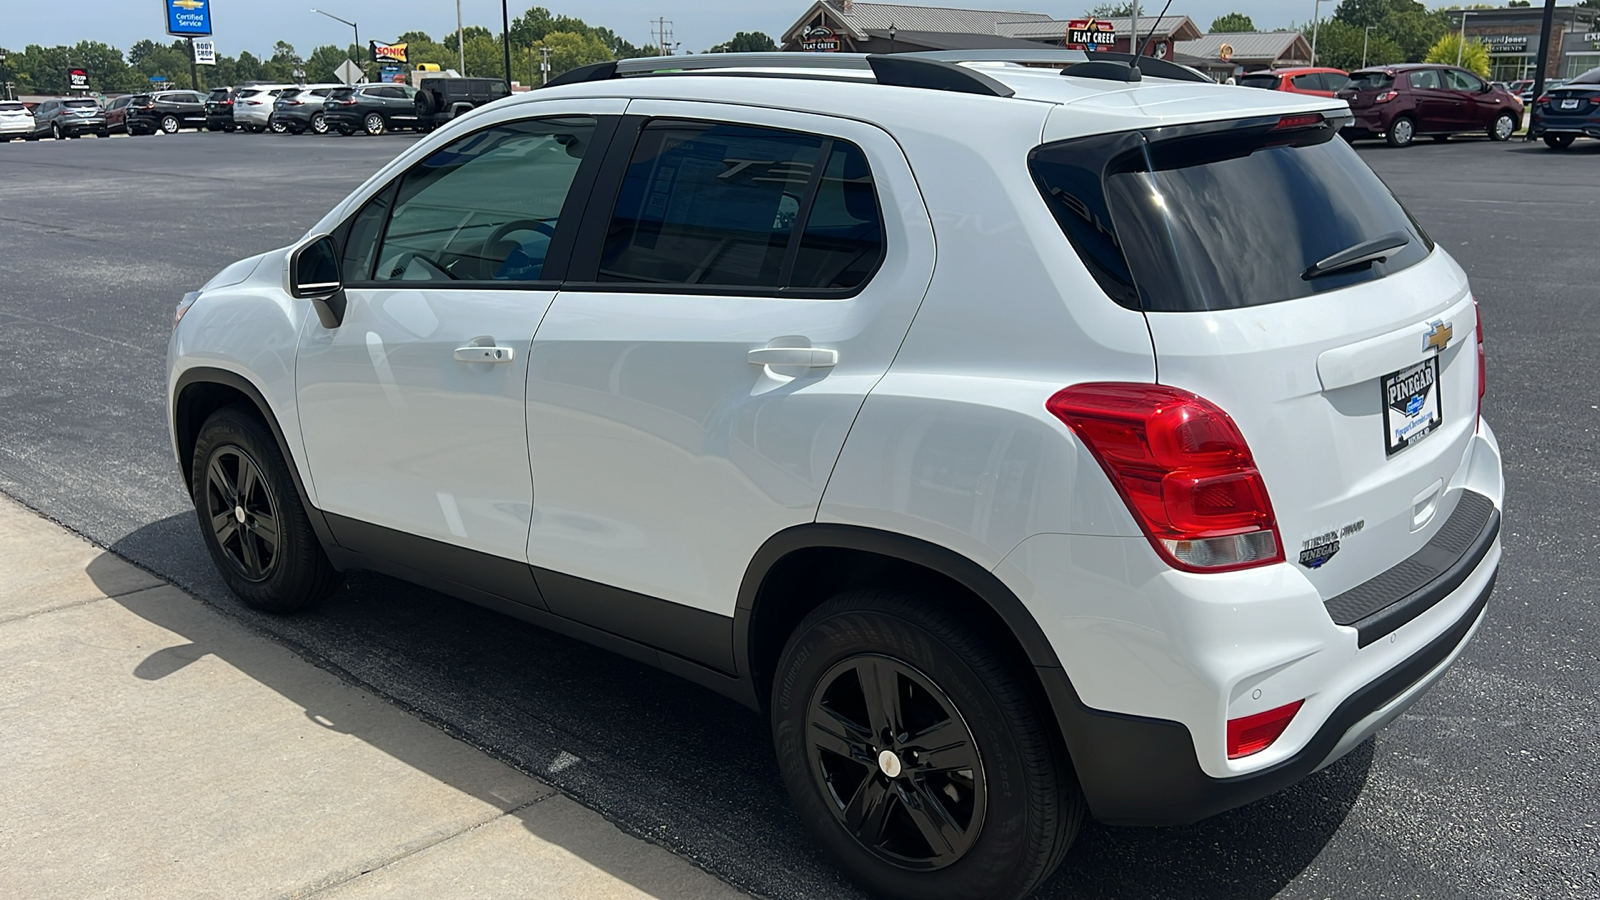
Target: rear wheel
(251, 518)
(319, 124)
(1559, 141)
(374, 123)
(278, 127)
(914, 754)
(170, 124)
(1503, 127)
(1401, 132)
(55, 131)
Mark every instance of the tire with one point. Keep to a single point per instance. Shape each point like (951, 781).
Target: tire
(55, 131)
(319, 124)
(1503, 127)
(170, 124)
(1013, 809)
(346, 132)
(102, 134)
(230, 128)
(374, 124)
(277, 127)
(1559, 141)
(1402, 131)
(241, 479)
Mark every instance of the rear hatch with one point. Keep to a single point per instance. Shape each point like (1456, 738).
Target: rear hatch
(1366, 87)
(84, 109)
(1572, 99)
(1221, 229)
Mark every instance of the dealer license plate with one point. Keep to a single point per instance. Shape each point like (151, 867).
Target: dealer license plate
(1569, 104)
(1410, 405)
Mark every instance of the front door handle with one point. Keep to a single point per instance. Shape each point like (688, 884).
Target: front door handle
(485, 354)
(804, 357)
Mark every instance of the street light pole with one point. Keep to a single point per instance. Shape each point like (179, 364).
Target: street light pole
(353, 26)
(1461, 41)
(1366, 33)
(1316, 20)
(461, 40)
(505, 35)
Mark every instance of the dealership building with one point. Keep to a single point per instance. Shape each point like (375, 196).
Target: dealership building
(844, 26)
(1513, 39)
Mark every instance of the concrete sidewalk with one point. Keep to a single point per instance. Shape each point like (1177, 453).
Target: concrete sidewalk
(151, 746)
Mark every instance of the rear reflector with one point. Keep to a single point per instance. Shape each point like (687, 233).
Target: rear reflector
(1183, 469)
(1253, 734)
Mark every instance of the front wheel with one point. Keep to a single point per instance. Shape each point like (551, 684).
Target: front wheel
(914, 754)
(1503, 126)
(1402, 132)
(319, 125)
(251, 518)
(374, 124)
(170, 124)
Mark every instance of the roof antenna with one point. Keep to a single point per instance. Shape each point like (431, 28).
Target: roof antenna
(1146, 45)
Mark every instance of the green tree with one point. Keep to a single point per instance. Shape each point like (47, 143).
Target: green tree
(746, 42)
(1339, 45)
(1407, 23)
(1232, 22)
(1112, 11)
(1474, 56)
(569, 50)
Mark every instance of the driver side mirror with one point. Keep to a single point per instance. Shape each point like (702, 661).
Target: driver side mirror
(314, 275)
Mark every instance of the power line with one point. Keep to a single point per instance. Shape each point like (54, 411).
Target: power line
(662, 29)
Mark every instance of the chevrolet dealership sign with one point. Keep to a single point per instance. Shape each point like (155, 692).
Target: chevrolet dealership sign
(190, 18)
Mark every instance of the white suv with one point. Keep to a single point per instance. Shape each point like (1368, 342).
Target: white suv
(1024, 442)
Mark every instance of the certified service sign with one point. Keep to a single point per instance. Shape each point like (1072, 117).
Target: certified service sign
(188, 17)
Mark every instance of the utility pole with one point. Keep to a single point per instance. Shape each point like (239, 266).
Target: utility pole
(663, 29)
(461, 40)
(1365, 34)
(544, 65)
(1133, 31)
(1316, 20)
(505, 35)
(1461, 40)
(1544, 54)
(194, 71)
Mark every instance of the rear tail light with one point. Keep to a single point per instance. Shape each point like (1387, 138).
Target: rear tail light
(1543, 101)
(1385, 97)
(1307, 121)
(1182, 467)
(1253, 734)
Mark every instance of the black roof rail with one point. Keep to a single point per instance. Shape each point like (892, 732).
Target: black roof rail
(1109, 70)
(1146, 65)
(900, 70)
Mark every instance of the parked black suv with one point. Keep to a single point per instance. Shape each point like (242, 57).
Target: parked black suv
(219, 109)
(373, 108)
(167, 111)
(441, 98)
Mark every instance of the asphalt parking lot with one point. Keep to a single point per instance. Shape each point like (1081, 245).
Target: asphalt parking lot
(1485, 789)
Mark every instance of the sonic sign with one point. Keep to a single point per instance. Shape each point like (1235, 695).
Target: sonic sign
(190, 18)
(1090, 34)
(388, 53)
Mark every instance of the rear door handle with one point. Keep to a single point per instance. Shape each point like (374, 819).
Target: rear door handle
(485, 354)
(806, 357)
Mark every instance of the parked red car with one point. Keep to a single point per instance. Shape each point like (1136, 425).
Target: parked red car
(1404, 101)
(1316, 80)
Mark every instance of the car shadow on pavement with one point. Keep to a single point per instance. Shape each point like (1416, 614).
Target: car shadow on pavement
(665, 760)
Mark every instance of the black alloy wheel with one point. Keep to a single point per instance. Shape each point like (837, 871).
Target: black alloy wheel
(242, 512)
(251, 517)
(915, 753)
(898, 762)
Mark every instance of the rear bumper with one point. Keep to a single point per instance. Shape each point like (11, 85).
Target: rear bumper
(81, 126)
(1581, 125)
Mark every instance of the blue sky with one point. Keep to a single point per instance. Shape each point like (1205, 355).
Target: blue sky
(254, 24)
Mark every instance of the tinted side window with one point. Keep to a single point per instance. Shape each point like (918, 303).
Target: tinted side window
(843, 238)
(485, 207)
(1311, 82)
(708, 204)
(1427, 79)
(716, 204)
(361, 243)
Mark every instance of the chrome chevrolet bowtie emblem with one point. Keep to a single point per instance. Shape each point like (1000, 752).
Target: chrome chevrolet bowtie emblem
(1438, 336)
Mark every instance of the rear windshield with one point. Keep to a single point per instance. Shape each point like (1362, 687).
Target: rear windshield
(12, 107)
(1371, 81)
(81, 104)
(1590, 77)
(341, 93)
(1259, 81)
(1221, 218)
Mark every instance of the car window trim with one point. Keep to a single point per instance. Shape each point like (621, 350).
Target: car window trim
(561, 245)
(585, 263)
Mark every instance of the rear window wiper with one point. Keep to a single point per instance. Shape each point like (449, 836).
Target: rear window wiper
(1363, 253)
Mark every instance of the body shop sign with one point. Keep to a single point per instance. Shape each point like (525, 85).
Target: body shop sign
(819, 39)
(1090, 34)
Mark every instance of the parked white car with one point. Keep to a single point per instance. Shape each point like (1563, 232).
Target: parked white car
(1116, 450)
(15, 120)
(253, 104)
